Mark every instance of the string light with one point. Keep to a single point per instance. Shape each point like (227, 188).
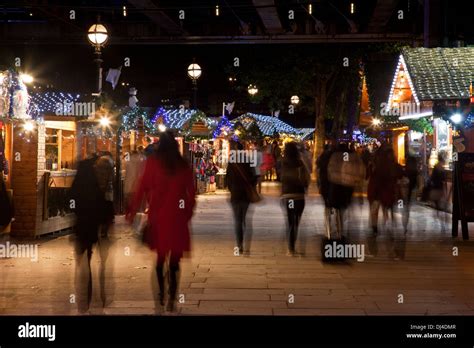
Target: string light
(352, 8)
(268, 125)
(29, 126)
(310, 9)
(136, 118)
(402, 74)
(14, 98)
(305, 132)
(217, 10)
(125, 11)
(51, 102)
(224, 126)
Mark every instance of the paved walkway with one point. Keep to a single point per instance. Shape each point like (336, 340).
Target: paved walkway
(267, 282)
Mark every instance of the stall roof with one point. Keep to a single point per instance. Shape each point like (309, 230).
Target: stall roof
(47, 102)
(439, 73)
(177, 118)
(305, 133)
(268, 125)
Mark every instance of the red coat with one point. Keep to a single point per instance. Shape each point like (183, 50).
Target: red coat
(171, 200)
(268, 162)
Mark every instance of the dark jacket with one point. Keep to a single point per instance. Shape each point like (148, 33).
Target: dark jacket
(89, 201)
(294, 178)
(239, 176)
(322, 166)
(334, 196)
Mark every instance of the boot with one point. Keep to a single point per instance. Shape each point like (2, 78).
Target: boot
(161, 284)
(173, 287)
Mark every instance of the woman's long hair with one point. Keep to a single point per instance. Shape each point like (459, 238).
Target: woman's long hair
(169, 155)
(291, 153)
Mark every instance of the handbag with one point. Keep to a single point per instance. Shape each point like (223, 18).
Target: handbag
(250, 190)
(142, 229)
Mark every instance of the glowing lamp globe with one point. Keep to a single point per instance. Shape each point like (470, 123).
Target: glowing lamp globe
(194, 71)
(97, 35)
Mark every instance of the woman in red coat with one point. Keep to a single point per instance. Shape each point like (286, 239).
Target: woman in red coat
(168, 185)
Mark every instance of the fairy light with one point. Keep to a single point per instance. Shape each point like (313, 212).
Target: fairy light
(402, 74)
(268, 125)
(162, 128)
(104, 121)
(352, 8)
(310, 9)
(124, 11)
(28, 126)
(217, 10)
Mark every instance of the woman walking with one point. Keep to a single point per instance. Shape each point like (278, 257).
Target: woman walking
(168, 185)
(382, 186)
(294, 182)
(241, 182)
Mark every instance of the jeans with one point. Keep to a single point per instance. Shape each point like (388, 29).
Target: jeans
(240, 212)
(294, 208)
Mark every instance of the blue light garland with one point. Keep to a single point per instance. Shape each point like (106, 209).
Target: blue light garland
(224, 125)
(160, 112)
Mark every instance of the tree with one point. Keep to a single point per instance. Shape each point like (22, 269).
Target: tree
(315, 76)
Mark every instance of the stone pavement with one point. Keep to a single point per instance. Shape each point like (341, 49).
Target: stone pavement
(267, 282)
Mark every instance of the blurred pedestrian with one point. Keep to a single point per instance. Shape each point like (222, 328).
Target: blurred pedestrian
(409, 183)
(89, 200)
(168, 185)
(133, 171)
(277, 157)
(104, 170)
(149, 146)
(438, 192)
(259, 164)
(322, 182)
(384, 173)
(6, 205)
(268, 163)
(294, 183)
(241, 182)
(345, 171)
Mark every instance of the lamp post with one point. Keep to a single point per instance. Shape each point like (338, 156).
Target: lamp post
(253, 90)
(295, 100)
(194, 72)
(98, 36)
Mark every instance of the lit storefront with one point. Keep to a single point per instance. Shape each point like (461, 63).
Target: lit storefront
(426, 81)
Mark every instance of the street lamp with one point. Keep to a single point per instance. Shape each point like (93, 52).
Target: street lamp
(104, 122)
(194, 73)
(252, 89)
(295, 100)
(98, 36)
(26, 78)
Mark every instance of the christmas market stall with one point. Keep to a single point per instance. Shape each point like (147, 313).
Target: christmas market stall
(15, 125)
(431, 92)
(58, 147)
(195, 130)
(268, 126)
